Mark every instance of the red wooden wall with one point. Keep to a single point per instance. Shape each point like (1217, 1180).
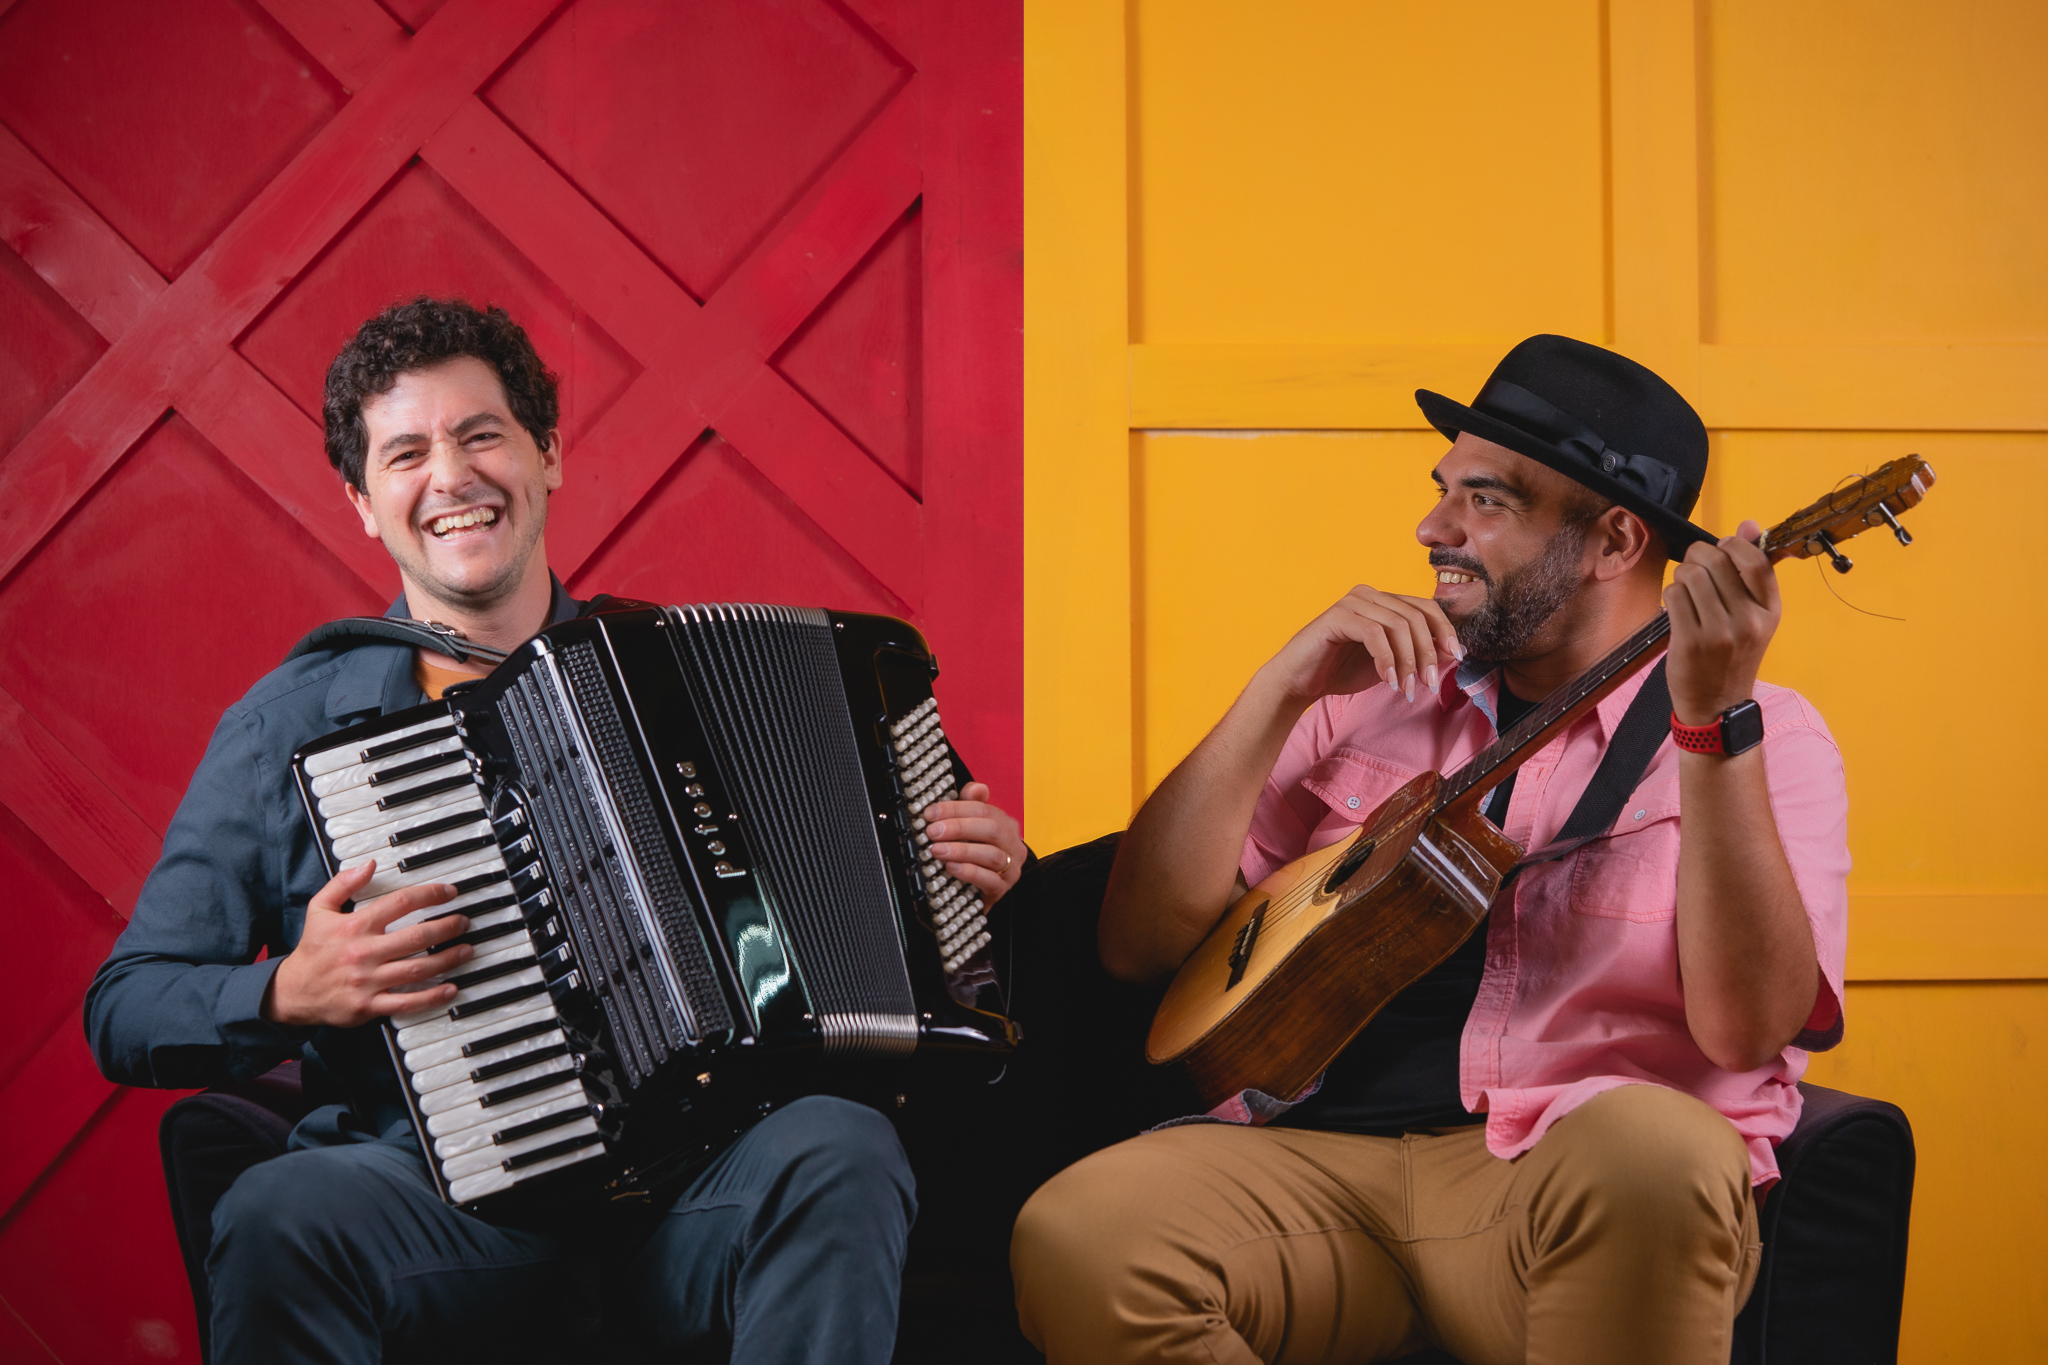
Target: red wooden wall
(772, 246)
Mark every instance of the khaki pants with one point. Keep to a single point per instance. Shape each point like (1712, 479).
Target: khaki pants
(1627, 1234)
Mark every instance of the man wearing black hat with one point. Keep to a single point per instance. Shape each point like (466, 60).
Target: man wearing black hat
(1545, 1149)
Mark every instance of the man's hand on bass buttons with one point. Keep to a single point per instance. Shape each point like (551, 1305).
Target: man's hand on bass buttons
(346, 970)
(979, 843)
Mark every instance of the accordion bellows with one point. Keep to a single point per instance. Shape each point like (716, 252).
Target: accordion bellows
(688, 845)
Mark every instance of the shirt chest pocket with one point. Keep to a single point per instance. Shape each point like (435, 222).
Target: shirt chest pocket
(1632, 874)
(1351, 785)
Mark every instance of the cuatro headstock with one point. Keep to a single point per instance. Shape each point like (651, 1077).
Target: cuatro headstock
(1878, 498)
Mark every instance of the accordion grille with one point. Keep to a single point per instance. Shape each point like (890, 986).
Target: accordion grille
(769, 677)
(588, 800)
(671, 903)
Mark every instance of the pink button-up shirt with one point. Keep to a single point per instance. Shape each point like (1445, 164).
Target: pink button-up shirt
(1581, 991)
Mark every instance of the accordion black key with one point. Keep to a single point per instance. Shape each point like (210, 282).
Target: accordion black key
(688, 845)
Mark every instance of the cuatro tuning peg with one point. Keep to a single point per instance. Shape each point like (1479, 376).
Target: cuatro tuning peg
(1905, 538)
(1841, 561)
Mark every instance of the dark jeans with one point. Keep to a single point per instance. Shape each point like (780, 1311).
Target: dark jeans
(788, 1248)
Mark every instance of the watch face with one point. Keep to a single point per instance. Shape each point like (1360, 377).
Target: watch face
(1742, 728)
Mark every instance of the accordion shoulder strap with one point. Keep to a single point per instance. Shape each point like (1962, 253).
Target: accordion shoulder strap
(350, 631)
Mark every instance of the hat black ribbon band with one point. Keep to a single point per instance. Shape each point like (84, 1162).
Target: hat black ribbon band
(1643, 475)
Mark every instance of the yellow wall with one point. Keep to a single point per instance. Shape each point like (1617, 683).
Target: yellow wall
(1252, 231)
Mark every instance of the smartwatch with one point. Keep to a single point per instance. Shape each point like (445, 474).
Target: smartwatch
(1735, 731)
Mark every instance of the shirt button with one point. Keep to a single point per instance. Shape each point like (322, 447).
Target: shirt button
(1351, 801)
(1641, 813)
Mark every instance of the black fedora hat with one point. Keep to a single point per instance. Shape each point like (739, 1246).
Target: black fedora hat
(1597, 418)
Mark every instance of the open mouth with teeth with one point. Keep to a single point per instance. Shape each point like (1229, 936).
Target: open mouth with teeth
(1452, 576)
(467, 522)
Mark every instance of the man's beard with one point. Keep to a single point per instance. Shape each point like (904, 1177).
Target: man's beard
(1501, 627)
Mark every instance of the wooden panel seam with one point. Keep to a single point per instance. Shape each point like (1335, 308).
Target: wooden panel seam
(1948, 938)
(49, 1100)
(1370, 387)
(708, 365)
(1362, 387)
(71, 810)
(1079, 702)
(89, 265)
(242, 270)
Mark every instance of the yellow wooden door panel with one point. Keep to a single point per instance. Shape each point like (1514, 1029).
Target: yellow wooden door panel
(1933, 712)
(1875, 171)
(1243, 540)
(1962, 1061)
(1342, 172)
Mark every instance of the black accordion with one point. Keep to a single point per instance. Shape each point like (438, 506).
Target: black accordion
(687, 842)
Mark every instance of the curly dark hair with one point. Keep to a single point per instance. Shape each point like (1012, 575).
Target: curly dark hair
(413, 336)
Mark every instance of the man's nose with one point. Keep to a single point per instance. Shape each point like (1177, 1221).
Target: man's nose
(449, 466)
(1438, 529)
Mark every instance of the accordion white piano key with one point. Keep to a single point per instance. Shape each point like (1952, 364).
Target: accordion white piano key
(472, 1115)
(470, 1092)
(485, 1135)
(366, 797)
(487, 920)
(379, 836)
(450, 1072)
(348, 755)
(389, 878)
(496, 1154)
(490, 954)
(369, 817)
(417, 1018)
(448, 1047)
(359, 774)
(474, 964)
(439, 1028)
(493, 891)
(389, 855)
(498, 1178)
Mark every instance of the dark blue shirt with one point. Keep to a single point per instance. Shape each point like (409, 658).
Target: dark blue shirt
(178, 1003)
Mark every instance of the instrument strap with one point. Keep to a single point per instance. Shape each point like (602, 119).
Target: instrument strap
(1643, 729)
(361, 630)
(351, 631)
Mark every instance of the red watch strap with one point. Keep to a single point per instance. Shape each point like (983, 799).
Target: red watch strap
(1697, 739)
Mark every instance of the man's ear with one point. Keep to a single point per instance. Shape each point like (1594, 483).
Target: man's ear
(1620, 540)
(551, 462)
(360, 500)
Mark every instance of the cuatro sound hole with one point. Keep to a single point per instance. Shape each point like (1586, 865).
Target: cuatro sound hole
(1348, 864)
